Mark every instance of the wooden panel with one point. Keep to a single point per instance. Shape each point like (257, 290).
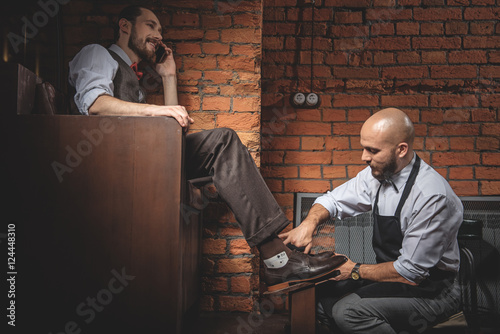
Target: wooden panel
(303, 311)
(97, 203)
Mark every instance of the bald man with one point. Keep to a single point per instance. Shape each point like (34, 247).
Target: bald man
(416, 220)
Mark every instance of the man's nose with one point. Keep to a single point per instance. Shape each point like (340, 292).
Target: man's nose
(365, 156)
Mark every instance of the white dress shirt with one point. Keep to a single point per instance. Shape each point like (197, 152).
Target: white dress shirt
(92, 71)
(430, 217)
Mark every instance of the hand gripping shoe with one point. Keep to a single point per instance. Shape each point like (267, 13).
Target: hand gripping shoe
(302, 268)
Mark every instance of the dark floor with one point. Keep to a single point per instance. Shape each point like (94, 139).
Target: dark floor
(243, 323)
(240, 323)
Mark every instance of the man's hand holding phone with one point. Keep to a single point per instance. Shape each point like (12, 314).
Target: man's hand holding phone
(165, 63)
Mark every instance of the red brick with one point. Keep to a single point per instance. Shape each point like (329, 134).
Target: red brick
(437, 14)
(218, 103)
(465, 188)
(308, 128)
(239, 121)
(431, 28)
(337, 143)
(491, 159)
(481, 42)
(456, 28)
(487, 143)
(215, 48)
(482, 13)
(404, 100)
(345, 129)
(241, 284)
(313, 143)
(457, 115)
(438, 43)
(461, 173)
(185, 20)
(482, 28)
(354, 100)
(307, 157)
(490, 129)
(289, 172)
(455, 158)
(484, 115)
(334, 172)
(437, 144)
(281, 143)
(236, 303)
(490, 188)
(488, 173)
(239, 247)
(462, 143)
(454, 129)
(310, 172)
(388, 43)
(433, 57)
(313, 186)
(214, 284)
(246, 103)
(239, 63)
(238, 265)
(347, 157)
(241, 35)
(407, 28)
(214, 246)
(348, 17)
(400, 72)
(200, 63)
(475, 57)
(455, 101)
(388, 14)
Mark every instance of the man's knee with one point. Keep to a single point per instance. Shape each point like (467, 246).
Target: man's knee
(345, 312)
(226, 133)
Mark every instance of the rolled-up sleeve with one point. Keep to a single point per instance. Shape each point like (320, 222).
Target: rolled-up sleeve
(91, 72)
(431, 229)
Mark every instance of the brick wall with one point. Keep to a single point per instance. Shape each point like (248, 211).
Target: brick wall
(217, 46)
(437, 60)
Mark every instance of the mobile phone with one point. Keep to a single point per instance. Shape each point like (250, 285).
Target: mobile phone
(160, 53)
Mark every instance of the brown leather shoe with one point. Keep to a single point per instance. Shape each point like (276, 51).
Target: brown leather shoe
(302, 268)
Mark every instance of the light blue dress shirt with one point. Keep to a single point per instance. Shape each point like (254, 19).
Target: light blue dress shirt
(430, 217)
(91, 72)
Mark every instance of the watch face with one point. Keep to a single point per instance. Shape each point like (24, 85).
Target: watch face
(355, 276)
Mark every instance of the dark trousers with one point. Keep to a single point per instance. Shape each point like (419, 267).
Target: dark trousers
(219, 153)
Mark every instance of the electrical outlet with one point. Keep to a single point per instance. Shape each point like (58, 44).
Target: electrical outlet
(298, 99)
(312, 99)
(305, 100)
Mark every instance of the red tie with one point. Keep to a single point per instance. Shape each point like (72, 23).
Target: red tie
(137, 73)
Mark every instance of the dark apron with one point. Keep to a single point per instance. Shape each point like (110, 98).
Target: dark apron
(387, 241)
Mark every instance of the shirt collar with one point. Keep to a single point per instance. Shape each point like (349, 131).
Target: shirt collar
(119, 51)
(399, 179)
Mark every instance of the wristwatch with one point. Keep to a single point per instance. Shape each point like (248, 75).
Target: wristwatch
(355, 272)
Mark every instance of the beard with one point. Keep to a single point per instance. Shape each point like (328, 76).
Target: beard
(386, 171)
(140, 47)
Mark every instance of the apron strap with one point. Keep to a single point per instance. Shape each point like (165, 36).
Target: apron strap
(409, 185)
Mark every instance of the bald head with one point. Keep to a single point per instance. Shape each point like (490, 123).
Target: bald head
(387, 141)
(392, 125)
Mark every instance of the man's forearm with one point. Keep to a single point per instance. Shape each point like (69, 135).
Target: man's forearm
(170, 90)
(317, 215)
(382, 272)
(111, 106)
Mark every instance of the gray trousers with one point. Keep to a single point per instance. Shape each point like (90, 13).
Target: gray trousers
(390, 315)
(219, 153)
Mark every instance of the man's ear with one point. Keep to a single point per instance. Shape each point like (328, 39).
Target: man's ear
(403, 149)
(125, 26)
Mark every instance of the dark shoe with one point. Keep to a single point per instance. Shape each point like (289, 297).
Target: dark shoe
(301, 268)
(323, 255)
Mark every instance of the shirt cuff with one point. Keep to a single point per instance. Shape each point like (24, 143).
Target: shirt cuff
(409, 274)
(328, 204)
(89, 98)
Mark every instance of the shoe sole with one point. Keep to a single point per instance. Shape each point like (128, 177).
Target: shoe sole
(285, 285)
